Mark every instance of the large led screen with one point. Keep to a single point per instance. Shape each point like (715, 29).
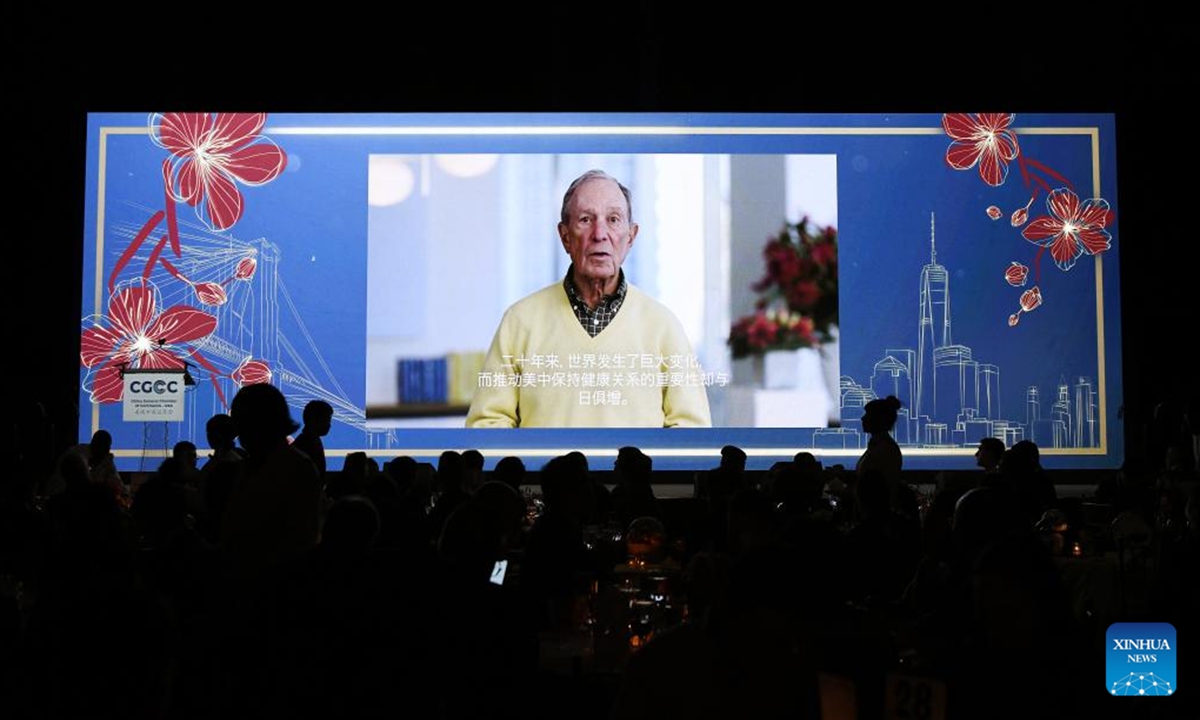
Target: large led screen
(776, 273)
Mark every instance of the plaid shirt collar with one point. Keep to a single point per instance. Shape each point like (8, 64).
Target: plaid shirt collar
(594, 321)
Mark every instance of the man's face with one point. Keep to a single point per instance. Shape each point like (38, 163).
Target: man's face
(598, 233)
(323, 425)
(983, 458)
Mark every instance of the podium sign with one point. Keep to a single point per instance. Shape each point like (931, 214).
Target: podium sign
(152, 396)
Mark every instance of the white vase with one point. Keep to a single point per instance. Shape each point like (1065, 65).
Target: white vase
(831, 369)
(798, 369)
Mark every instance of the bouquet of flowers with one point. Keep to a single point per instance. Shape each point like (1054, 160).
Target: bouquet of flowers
(775, 329)
(798, 295)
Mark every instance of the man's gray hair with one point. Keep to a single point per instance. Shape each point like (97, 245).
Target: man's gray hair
(594, 175)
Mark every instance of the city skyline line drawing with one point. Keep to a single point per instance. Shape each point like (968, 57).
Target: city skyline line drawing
(949, 397)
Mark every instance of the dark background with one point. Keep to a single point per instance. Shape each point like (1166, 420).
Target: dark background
(61, 64)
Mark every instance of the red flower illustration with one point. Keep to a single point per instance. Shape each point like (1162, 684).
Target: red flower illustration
(136, 335)
(252, 372)
(210, 293)
(1019, 216)
(210, 154)
(1072, 228)
(1031, 299)
(1016, 274)
(245, 268)
(994, 212)
(983, 139)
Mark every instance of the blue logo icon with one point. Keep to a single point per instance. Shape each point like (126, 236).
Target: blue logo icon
(1140, 659)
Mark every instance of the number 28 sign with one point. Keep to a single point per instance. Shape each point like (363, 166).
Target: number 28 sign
(910, 697)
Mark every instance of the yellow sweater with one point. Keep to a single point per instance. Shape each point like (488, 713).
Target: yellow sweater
(544, 370)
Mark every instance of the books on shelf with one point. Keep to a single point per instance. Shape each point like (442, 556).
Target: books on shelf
(447, 380)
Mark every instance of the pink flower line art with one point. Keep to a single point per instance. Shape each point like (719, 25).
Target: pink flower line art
(210, 155)
(981, 139)
(1071, 229)
(135, 335)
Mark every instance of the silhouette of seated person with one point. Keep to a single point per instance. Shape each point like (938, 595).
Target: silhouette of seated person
(480, 532)
(91, 607)
(1021, 473)
(356, 474)
(710, 531)
(557, 563)
(184, 452)
(472, 470)
(187, 476)
(747, 658)
(221, 435)
(451, 491)
(942, 591)
(728, 477)
(504, 509)
(988, 455)
(783, 487)
(359, 625)
(633, 497)
(381, 490)
(486, 635)
(160, 508)
(510, 471)
(402, 469)
(600, 505)
(804, 519)
(176, 559)
(751, 521)
(937, 544)
(101, 468)
(404, 520)
(811, 475)
(1018, 617)
(351, 526)
(85, 515)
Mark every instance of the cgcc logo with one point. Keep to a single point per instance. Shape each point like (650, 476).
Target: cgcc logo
(156, 387)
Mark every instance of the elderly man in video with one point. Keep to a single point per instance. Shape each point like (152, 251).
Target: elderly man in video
(591, 350)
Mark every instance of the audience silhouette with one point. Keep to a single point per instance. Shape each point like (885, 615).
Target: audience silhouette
(251, 587)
